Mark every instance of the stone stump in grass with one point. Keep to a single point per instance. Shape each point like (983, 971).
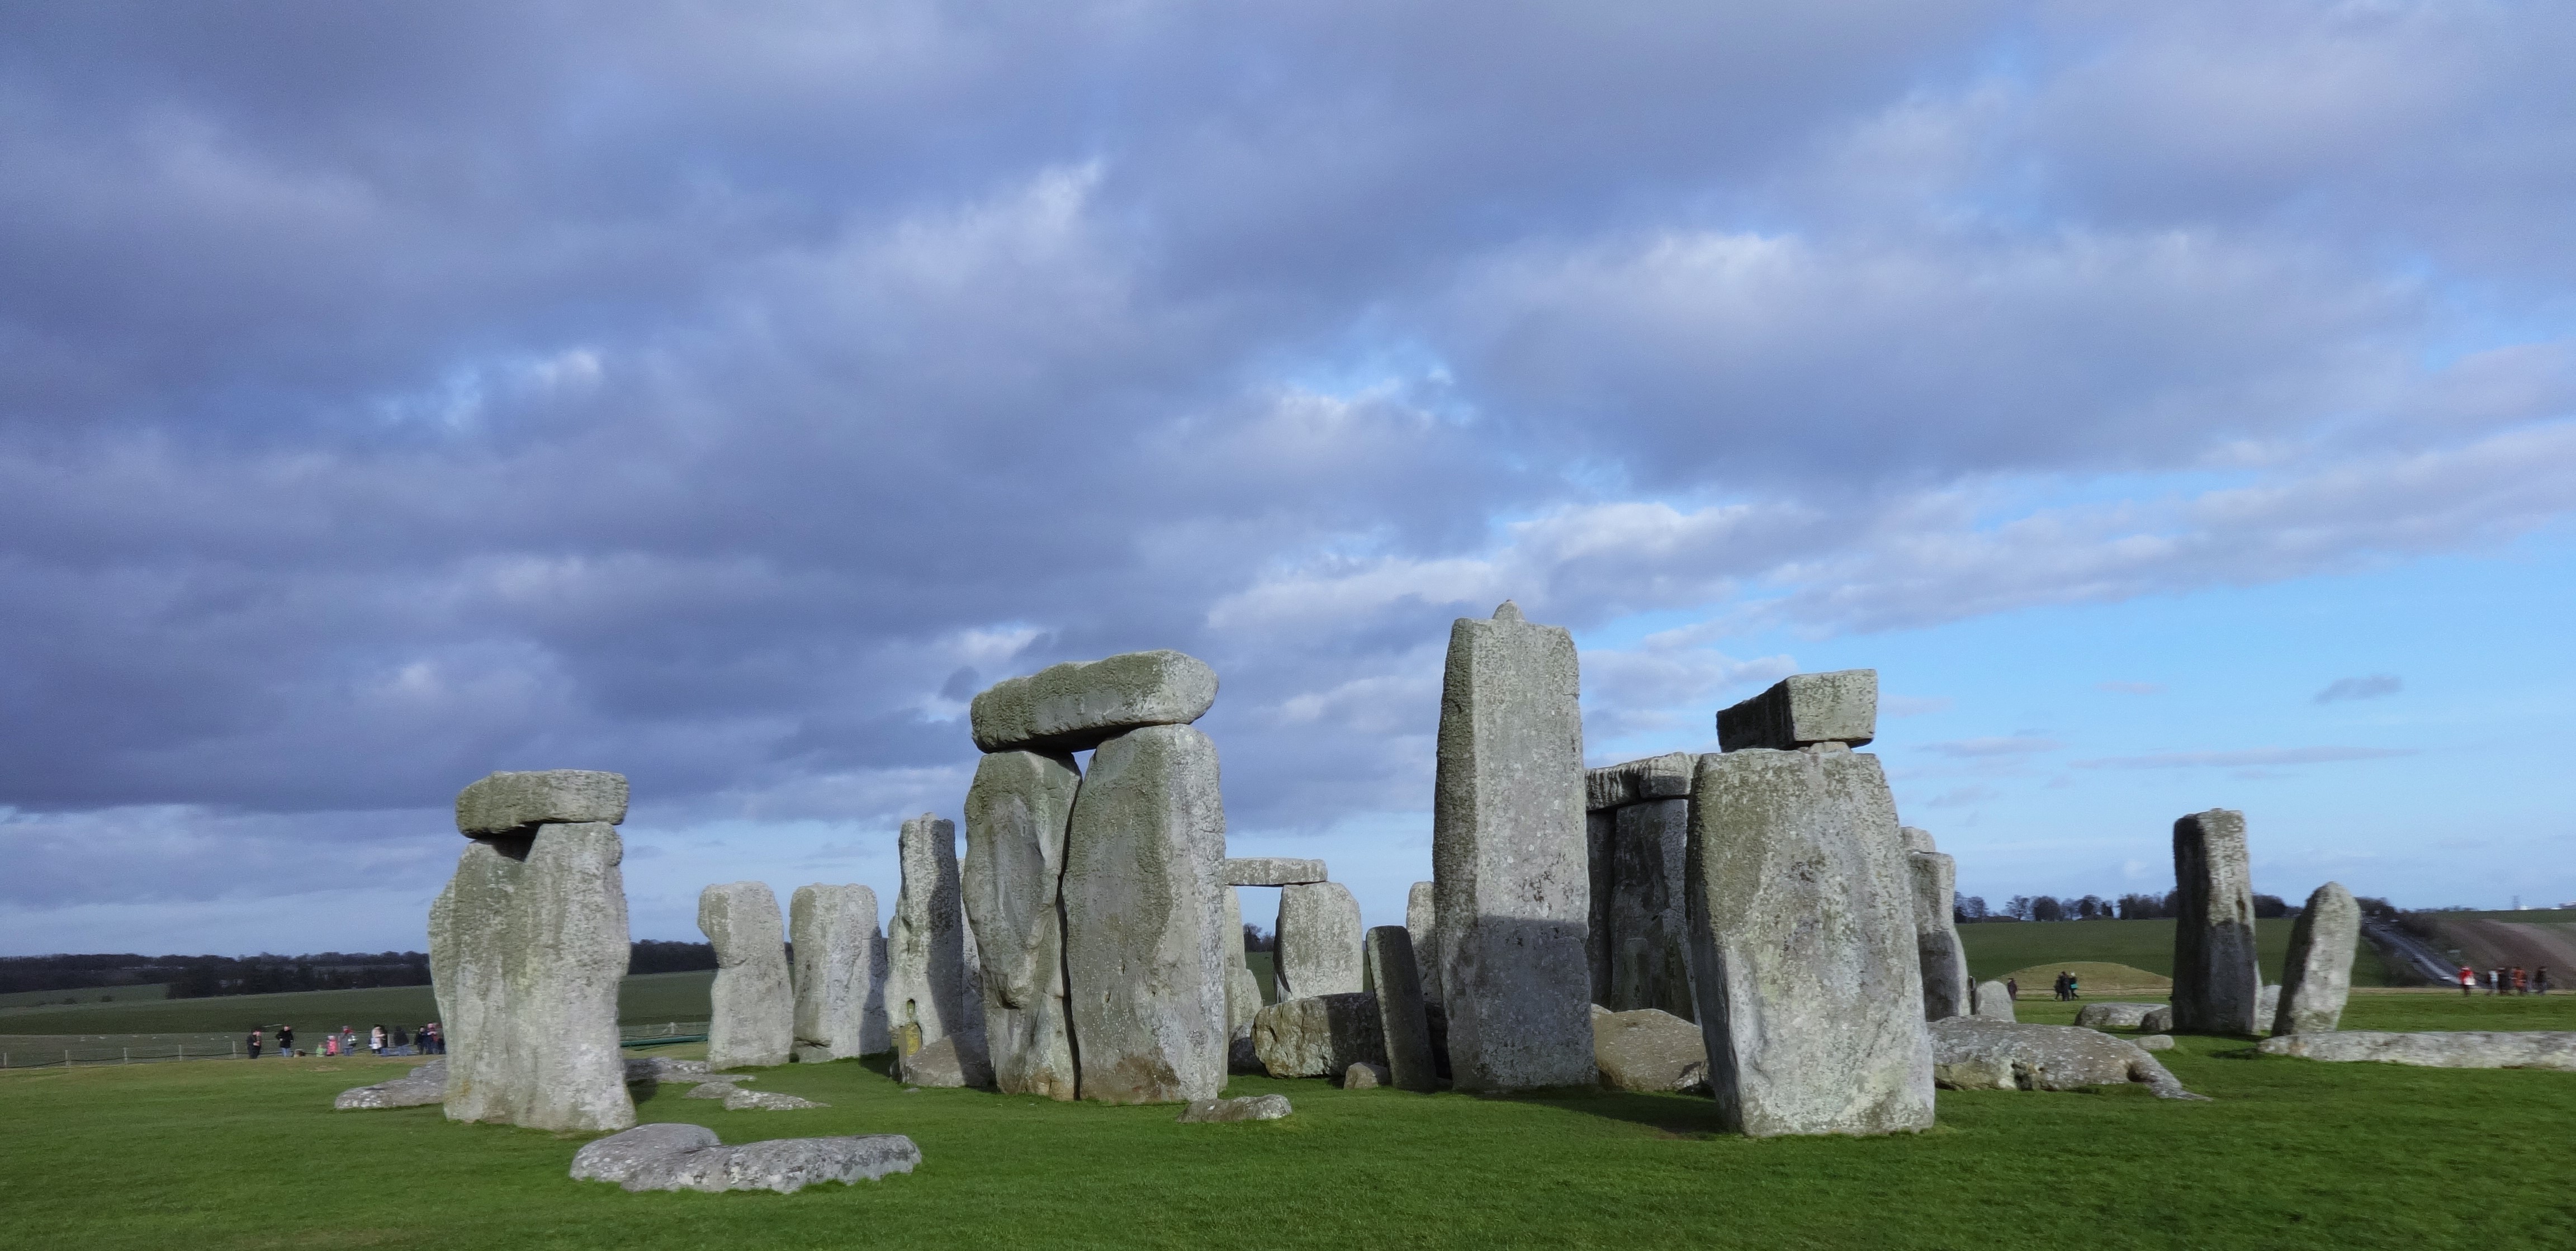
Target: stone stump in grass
(2218, 982)
(1017, 812)
(753, 1019)
(1993, 1001)
(840, 1005)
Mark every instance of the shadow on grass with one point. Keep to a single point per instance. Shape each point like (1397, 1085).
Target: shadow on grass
(1681, 1116)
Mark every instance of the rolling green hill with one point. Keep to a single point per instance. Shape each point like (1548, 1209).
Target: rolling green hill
(1999, 947)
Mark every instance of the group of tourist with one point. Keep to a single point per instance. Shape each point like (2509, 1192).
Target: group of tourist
(2512, 981)
(2068, 987)
(428, 1040)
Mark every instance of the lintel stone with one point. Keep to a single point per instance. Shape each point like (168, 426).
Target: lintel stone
(1270, 871)
(1076, 705)
(506, 803)
(1805, 709)
(1636, 781)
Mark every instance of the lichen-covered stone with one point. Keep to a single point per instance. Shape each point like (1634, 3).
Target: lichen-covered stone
(840, 1005)
(1367, 1077)
(767, 1101)
(1655, 777)
(1993, 1001)
(2217, 979)
(1269, 871)
(1422, 923)
(2114, 1015)
(752, 1023)
(1320, 1036)
(1392, 976)
(690, 1157)
(2317, 977)
(1804, 709)
(1247, 1108)
(508, 803)
(1974, 1053)
(2461, 1049)
(1648, 1050)
(1649, 925)
(1075, 706)
(1017, 812)
(1318, 948)
(933, 988)
(1946, 990)
(2159, 1021)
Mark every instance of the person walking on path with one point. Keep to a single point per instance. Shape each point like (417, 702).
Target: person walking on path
(2521, 981)
(2540, 980)
(2495, 981)
(286, 1040)
(2074, 986)
(376, 1041)
(2012, 990)
(2468, 980)
(254, 1043)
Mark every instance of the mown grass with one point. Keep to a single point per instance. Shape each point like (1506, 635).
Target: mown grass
(23, 999)
(1999, 947)
(650, 999)
(2291, 1154)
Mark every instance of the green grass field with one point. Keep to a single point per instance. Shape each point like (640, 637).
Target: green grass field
(650, 999)
(1999, 947)
(24, 999)
(2291, 1154)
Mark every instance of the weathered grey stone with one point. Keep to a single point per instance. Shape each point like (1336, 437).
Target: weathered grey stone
(2217, 980)
(1648, 1050)
(690, 1157)
(1804, 709)
(508, 803)
(1017, 813)
(933, 988)
(527, 945)
(1802, 919)
(1074, 706)
(939, 1064)
(2159, 1021)
(840, 1006)
(1318, 952)
(1143, 918)
(1242, 988)
(1946, 990)
(1509, 862)
(2463, 1049)
(1393, 976)
(424, 1085)
(2156, 1042)
(767, 1101)
(1366, 1077)
(1600, 859)
(1918, 839)
(2317, 977)
(716, 1088)
(2267, 1003)
(1421, 922)
(1320, 1036)
(652, 1069)
(1992, 1001)
(1269, 871)
(1649, 920)
(1248, 1108)
(1655, 777)
(1974, 1053)
(753, 1019)
(2114, 1015)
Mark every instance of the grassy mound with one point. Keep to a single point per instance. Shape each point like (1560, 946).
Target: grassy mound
(1996, 948)
(2095, 979)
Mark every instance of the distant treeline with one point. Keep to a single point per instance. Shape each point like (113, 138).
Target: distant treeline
(2162, 907)
(203, 977)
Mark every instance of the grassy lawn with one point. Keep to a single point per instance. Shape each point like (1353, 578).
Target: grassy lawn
(1999, 947)
(24, 999)
(2292, 1154)
(650, 999)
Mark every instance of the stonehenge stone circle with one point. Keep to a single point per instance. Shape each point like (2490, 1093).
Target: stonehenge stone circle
(1318, 949)
(2460, 1049)
(1993, 1002)
(1248, 1108)
(1320, 1036)
(1074, 706)
(1805, 709)
(1421, 921)
(1509, 862)
(1946, 991)
(1269, 871)
(508, 803)
(2217, 980)
(1974, 1053)
(527, 944)
(1648, 1050)
(1649, 924)
(1144, 950)
(933, 987)
(2318, 975)
(1802, 916)
(840, 1004)
(2114, 1015)
(1017, 813)
(679, 1156)
(1393, 976)
(753, 1024)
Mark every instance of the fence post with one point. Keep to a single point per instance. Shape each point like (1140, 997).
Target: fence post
(129, 1055)
(67, 1057)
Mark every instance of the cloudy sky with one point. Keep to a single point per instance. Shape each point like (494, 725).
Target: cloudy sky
(2176, 404)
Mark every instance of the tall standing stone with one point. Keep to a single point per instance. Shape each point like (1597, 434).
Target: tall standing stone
(1144, 952)
(1509, 863)
(1395, 978)
(1318, 950)
(1649, 928)
(2218, 981)
(840, 1004)
(1242, 989)
(1946, 990)
(753, 1024)
(1421, 921)
(527, 944)
(2318, 975)
(1017, 812)
(1801, 909)
(1600, 853)
(932, 990)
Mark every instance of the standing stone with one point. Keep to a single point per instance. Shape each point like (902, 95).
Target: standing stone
(1144, 950)
(1393, 977)
(2217, 981)
(1017, 812)
(1946, 991)
(1649, 925)
(1805, 709)
(1509, 859)
(1801, 908)
(833, 930)
(1600, 844)
(1242, 989)
(1993, 1002)
(527, 944)
(931, 984)
(1070, 707)
(753, 1024)
(1318, 952)
(1421, 922)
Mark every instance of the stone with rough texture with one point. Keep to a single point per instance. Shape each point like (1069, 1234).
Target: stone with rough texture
(1075, 706)
(1655, 777)
(752, 1023)
(1917, 838)
(2217, 980)
(1421, 921)
(1394, 977)
(1992, 1001)
(1974, 1053)
(2156, 1042)
(1144, 920)
(2160, 1021)
(527, 945)
(1017, 812)
(2317, 977)
(1649, 923)
(1242, 988)
(1802, 920)
(1247, 1108)
(2462, 1049)
(1600, 844)
(1946, 989)
(658, 1069)
(508, 803)
(2114, 1015)
(767, 1101)
(1269, 871)
(1367, 1077)
(716, 1088)
(1512, 877)
(1318, 949)
(1647, 1050)
(840, 1006)
(424, 1085)
(2267, 1002)
(1319, 1037)
(675, 1156)
(934, 989)
(1804, 709)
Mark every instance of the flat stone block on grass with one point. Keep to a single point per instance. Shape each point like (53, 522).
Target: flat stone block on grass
(2461, 1049)
(1651, 1051)
(1973, 1053)
(508, 803)
(1075, 706)
(691, 1157)
(1805, 709)
(1247, 1108)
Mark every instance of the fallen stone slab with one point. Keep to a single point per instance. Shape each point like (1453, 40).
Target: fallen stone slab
(507, 803)
(1319, 1036)
(767, 1101)
(692, 1157)
(1993, 1002)
(1804, 709)
(1974, 1053)
(661, 1069)
(424, 1085)
(2159, 1021)
(1246, 1108)
(1655, 777)
(1269, 871)
(1649, 1050)
(938, 1064)
(1365, 1076)
(1076, 706)
(2114, 1015)
(716, 1088)
(2456, 1049)
(2156, 1042)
